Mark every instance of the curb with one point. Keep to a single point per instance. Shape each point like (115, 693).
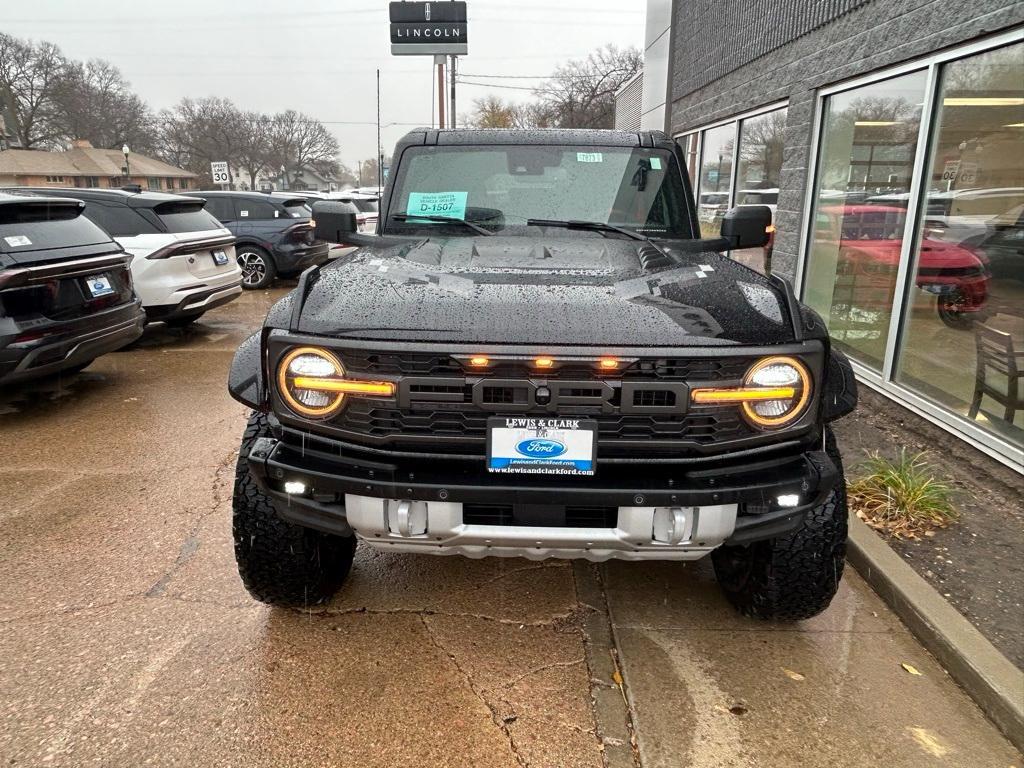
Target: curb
(995, 684)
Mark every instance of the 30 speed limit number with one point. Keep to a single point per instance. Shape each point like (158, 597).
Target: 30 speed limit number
(219, 173)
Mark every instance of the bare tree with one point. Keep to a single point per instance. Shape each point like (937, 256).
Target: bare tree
(581, 94)
(256, 144)
(197, 132)
(32, 72)
(493, 112)
(300, 141)
(93, 101)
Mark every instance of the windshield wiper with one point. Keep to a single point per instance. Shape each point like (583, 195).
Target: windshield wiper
(444, 219)
(589, 226)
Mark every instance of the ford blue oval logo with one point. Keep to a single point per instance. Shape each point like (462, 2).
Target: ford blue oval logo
(539, 448)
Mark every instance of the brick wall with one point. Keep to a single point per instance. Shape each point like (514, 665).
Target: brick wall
(731, 56)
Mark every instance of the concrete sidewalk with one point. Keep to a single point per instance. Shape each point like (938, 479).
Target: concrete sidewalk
(711, 688)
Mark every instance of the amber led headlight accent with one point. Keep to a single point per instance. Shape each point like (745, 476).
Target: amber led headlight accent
(312, 383)
(775, 392)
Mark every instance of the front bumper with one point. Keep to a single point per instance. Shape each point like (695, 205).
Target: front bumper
(732, 502)
(72, 343)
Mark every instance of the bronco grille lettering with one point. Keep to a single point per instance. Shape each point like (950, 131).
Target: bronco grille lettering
(520, 395)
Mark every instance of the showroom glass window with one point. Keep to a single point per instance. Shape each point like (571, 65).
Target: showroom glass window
(859, 216)
(715, 183)
(758, 168)
(690, 146)
(963, 333)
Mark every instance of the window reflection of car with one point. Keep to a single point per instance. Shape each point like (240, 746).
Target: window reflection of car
(712, 206)
(1003, 245)
(870, 239)
(959, 216)
(768, 196)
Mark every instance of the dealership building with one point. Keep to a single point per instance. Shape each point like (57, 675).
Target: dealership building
(887, 136)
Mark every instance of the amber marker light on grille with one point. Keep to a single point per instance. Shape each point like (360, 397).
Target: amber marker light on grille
(480, 361)
(608, 363)
(544, 362)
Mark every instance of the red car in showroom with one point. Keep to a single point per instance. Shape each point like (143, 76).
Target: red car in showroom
(869, 239)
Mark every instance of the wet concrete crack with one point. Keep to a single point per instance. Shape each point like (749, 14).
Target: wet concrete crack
(512, 572)
(190, 545)
(500, 721)
(556, 620)
(543, 668)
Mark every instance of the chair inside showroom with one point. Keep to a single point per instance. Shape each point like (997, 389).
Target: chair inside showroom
(999, 372)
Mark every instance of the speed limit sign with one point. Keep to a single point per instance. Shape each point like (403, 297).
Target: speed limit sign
(219, 173)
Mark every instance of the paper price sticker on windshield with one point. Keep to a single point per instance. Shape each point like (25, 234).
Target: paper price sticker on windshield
(589, 157)
(655, 163)
(16, 241)
(451, 205)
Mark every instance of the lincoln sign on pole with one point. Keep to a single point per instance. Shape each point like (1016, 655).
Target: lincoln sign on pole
(423, 29)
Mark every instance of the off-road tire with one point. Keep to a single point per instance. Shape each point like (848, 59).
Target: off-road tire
(258, 267)
(281, 563)
(792, 577)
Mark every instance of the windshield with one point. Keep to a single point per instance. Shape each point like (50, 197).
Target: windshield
(500, 187)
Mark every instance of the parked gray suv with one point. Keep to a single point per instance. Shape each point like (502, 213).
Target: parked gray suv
(273, 233)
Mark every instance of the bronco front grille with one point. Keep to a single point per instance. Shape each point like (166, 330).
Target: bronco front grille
(443, 407)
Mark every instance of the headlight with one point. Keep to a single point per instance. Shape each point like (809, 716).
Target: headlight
(775, 393)
(312, 383)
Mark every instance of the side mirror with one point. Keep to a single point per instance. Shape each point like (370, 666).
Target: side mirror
(747, 226)
(334, 220)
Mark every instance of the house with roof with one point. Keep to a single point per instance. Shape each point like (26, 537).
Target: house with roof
(84, 165)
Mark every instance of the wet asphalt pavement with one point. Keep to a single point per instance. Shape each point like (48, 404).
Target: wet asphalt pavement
(126, 638)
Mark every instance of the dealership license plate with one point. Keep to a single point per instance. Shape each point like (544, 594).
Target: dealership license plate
(544, 446)
(99, 285)
(220, 258)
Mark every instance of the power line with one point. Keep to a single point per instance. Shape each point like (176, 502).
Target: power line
(506, 87)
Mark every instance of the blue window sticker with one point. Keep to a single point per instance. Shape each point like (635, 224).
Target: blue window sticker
(589, 157)
(451, 205)
(655, 163)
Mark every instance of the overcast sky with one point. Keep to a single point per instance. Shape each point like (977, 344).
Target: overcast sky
(319, 56)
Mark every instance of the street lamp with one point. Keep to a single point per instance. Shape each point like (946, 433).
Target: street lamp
(127, 167)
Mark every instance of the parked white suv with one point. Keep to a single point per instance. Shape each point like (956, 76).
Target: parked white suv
(183, 259)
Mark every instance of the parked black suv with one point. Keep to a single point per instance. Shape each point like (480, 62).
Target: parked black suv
(65, 290)
(273, 233)
(538, 356)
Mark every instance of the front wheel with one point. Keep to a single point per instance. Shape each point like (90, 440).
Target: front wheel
(258, 269)
(792, 577)
(281, 563)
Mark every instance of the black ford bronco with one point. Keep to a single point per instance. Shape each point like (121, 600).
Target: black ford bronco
(537, 356)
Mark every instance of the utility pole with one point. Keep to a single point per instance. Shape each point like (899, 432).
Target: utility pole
(439, 60)
(451, 118)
